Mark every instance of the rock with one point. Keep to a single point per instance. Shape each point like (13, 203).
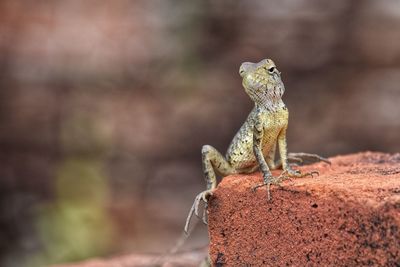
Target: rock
(347, 216)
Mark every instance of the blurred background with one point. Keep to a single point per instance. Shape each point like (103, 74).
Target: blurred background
(104, 107)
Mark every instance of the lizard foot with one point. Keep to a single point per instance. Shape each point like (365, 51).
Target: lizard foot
(268, 181)
(301, 157)
(203, 196)
(286, 174)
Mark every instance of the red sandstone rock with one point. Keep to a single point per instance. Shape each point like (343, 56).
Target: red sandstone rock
(347, 216)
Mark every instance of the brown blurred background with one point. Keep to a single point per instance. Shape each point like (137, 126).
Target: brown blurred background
(104, 107)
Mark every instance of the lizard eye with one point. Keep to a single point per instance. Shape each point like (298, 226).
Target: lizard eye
(271, 70)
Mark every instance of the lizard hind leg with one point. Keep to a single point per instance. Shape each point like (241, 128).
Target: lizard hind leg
(301, 157)
(213, 163)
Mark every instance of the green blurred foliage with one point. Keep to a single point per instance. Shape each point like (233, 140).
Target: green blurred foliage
(76, 225)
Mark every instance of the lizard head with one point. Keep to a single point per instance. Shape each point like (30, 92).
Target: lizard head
(262, 81)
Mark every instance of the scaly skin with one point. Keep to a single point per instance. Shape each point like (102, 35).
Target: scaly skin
(254, 145)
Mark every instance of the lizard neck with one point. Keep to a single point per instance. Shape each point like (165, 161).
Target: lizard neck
(271, 100)
(270, 106)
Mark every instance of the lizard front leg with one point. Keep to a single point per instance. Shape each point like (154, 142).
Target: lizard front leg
(258, 133)
(292, 158)
(287, 170)
(213, 162)
(270, 159)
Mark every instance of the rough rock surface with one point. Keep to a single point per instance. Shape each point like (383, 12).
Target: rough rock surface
(347, 216)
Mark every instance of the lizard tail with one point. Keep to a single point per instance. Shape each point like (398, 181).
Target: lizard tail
(164, 258)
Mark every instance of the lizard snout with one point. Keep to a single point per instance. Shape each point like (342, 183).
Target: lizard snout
(244, 68)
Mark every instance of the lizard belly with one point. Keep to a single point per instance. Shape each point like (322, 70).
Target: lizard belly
(274, 123)
(240, 153)
(243, 159)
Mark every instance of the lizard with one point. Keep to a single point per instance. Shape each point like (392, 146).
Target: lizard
(254, 145)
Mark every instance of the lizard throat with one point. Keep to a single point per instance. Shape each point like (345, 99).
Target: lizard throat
(270, 99)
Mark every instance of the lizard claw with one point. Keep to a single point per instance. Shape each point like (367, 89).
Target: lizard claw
(286, 174)
(267, 182)
(203, 196)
